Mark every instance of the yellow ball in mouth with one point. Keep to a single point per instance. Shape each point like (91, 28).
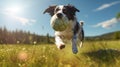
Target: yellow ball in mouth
(59, 24)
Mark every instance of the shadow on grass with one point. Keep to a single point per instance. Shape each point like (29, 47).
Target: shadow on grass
(107, 56)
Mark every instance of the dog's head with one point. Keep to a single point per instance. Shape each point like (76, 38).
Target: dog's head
(61, 11)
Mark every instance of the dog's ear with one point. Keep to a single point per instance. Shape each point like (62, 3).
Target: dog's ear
(50, 10)
(72, 8)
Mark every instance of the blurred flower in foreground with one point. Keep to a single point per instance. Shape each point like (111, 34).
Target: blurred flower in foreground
(35, 42)
(23, 56)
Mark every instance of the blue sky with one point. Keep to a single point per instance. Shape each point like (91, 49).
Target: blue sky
(27, 15)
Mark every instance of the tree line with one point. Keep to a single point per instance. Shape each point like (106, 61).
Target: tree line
(22, 37)
(108, 36)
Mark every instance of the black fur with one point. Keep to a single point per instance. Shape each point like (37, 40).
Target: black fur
(50, 10)
(76, 28)
(68, 10)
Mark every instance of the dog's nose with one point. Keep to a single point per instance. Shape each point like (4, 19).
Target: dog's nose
(59, 15)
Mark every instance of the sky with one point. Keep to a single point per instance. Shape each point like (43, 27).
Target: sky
(98, 15)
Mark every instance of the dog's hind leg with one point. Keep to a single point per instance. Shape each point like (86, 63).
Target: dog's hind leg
(81, 37)
(81, 44)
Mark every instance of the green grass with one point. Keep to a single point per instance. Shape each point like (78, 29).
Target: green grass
(92, 54)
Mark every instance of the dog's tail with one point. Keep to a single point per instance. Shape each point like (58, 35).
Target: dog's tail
(81, 23)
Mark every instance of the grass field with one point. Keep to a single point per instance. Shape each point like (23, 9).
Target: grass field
(92, 54)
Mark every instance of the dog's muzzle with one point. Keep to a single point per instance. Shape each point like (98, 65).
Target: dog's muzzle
(59, 15)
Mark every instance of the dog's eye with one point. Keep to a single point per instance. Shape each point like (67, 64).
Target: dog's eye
(57, 9)
(64, 10)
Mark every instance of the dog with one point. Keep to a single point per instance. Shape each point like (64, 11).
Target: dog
(74, 29)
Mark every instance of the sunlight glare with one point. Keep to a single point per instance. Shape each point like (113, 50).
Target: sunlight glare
(13, 10)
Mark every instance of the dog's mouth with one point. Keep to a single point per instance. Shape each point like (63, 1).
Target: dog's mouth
(60, 17)
(59, 23)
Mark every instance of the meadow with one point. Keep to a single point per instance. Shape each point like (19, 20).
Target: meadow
(92, 54)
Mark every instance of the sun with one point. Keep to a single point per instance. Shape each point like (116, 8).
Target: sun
(13, 10)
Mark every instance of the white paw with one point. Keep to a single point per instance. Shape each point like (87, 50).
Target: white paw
(60, 45)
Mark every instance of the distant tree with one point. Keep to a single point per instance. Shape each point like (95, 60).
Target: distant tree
(118, 15)
(117, 35)
(48, 38)
(22, 37)
(26, 37)
(4, 35)
(1, 35)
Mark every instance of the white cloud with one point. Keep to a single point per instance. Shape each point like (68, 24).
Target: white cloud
(104, 6)
(107, 24)
(24, 21)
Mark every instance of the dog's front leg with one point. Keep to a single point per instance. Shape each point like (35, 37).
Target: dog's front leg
(74, 44)
(59, 43)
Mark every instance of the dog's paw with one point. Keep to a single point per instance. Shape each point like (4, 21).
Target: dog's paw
(75, 51)
(74, 48)
(61, 47)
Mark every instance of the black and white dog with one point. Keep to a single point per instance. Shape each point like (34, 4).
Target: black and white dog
(74, 29)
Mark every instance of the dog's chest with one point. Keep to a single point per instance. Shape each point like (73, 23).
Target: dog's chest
(68, 33)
